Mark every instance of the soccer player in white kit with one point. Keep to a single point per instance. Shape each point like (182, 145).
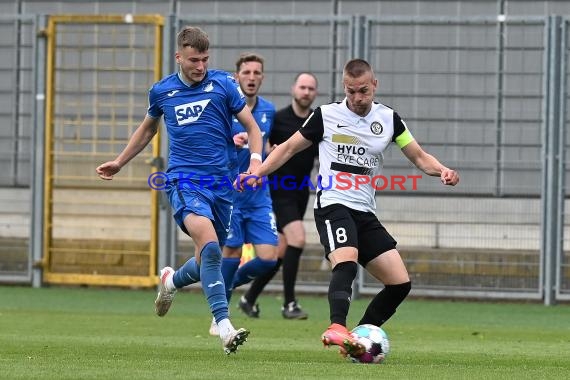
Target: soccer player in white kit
(352, 135)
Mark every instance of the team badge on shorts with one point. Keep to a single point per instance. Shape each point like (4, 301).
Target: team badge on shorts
(376, 128)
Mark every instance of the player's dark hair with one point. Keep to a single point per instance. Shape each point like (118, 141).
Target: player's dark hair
(194, 37)
(356, 68)
(249, 57)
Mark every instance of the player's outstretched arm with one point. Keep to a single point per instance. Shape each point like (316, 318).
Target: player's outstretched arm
(429, 164)
(279, 156)
(140, 138)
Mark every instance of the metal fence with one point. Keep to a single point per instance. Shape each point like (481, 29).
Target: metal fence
(560, 265)
(18, 65)
(487, 96)
(474, 92)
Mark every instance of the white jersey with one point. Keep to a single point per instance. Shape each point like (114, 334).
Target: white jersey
(350, 151)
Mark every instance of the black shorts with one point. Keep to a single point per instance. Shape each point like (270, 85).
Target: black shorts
(289, 206)
(340, 226)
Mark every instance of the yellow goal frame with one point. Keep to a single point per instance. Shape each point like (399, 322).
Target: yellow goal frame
(155, 23)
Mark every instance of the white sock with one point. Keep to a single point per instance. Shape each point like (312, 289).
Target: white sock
(225, 327)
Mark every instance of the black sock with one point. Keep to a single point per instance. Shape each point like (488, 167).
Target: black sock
(290, 267)
(340, 291)
(259, 283)
(384, 305)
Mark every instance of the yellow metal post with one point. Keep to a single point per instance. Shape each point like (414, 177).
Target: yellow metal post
(94, 232)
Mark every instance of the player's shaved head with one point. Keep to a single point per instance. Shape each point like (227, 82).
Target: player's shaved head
(355, 68)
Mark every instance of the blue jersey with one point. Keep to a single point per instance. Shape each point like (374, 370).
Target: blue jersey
(198, 122)
(263, 113)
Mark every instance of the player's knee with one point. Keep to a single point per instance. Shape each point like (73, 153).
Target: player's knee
(231, 252)
(348, 268)
(298, 242)
(407, 287)
(295, 234)
(400, 291)
(266, 252)
(211, 253)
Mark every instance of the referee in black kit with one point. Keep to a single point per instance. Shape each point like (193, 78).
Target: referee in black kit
(289, 199)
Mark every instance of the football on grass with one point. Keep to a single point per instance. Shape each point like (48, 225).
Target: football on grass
(376, 342)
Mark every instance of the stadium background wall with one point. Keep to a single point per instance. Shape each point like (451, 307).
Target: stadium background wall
(482, 84)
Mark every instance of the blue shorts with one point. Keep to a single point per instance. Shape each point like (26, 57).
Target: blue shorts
(214, 204)
(254, 225)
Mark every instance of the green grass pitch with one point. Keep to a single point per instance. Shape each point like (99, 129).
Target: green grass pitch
(93, 333)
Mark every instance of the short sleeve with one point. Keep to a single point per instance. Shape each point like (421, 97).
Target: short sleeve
(236, 99)
(402, 135)
(154, 109)
(313, 128)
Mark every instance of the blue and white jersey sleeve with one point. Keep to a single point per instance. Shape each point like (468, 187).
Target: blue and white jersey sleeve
(264, 114)
(236, 98)
(154, 109)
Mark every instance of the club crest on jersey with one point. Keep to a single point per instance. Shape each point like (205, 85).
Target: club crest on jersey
(376, 128)
(190, 112)
(208, 87)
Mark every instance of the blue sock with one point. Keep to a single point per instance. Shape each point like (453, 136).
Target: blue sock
(187, 274)
(252, 269)
(229, 267)
(213, 281)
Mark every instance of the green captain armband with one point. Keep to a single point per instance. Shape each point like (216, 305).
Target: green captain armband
(404, 139)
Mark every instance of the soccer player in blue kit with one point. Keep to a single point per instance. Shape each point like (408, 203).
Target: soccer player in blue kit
(253, 220)
(197, 105)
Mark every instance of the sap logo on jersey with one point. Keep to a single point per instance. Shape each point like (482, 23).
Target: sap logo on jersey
(190, 112)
